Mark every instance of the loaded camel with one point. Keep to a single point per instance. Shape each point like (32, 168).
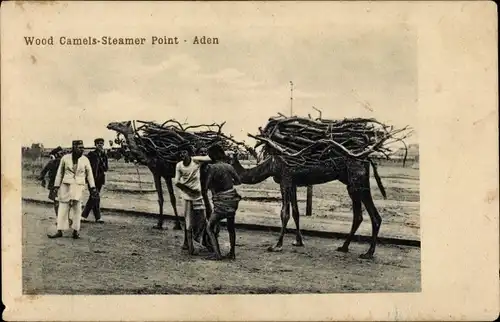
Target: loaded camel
(159, 168)
(354, 174)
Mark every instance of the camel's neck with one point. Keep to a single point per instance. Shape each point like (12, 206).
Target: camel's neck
(134, 148)
(256, 174)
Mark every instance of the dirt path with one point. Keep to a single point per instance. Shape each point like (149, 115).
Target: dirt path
(126, 256)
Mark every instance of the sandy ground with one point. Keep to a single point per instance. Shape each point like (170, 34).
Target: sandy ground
(125, 256)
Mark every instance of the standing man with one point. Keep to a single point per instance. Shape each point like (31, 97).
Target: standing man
(221, 179)
(72, 173)
(187, 179)
(99, 163)
(51, 169)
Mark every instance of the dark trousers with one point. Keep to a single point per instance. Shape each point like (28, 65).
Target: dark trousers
(93, 204)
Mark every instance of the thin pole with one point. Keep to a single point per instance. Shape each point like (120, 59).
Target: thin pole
(291, 98)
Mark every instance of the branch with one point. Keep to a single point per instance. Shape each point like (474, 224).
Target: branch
(320, 113)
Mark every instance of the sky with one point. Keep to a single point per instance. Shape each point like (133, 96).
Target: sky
(344, 68)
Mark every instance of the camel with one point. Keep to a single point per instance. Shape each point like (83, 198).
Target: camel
(354, 174)
(158, 168)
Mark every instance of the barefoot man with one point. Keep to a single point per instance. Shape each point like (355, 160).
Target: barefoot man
(73, 170)
(187, 179)
(221, 179)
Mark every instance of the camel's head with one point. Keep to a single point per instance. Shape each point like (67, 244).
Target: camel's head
(124, 127)
(253, 153)
(232, 158)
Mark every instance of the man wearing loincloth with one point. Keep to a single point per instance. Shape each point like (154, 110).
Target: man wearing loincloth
(221, 179)
(50, 169)
(74, 169)
(187, 179)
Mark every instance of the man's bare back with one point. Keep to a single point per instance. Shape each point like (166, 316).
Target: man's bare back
(222, 177)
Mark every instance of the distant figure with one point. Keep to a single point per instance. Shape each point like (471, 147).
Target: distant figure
(187, 179)
(74, 169)
(221, 179)
(99, 163)
(51, 169)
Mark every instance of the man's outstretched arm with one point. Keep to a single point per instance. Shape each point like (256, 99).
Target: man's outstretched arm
(201, 158)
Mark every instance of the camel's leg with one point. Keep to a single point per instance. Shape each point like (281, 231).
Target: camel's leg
(375, 219)
(296, 216)
(356, 219)
(285, 216)
(159, 191)
(173, 201)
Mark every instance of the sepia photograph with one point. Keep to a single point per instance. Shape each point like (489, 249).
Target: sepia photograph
(326, 153)
(218, 148)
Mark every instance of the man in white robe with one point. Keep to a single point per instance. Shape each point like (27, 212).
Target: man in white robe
(73, 172)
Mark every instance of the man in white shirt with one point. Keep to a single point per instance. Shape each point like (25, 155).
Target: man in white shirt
(74, 169)
(187, 179)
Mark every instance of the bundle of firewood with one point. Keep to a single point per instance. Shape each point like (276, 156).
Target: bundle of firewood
(305, 141)
(167, 139)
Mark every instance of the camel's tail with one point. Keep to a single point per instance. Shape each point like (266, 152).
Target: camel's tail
(377, 178)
